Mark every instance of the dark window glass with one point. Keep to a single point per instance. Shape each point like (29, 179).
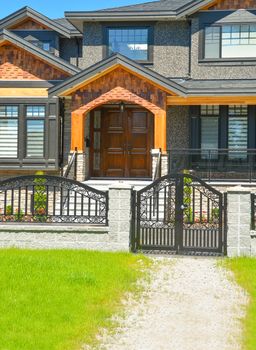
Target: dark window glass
(130, 42)
(209, 131)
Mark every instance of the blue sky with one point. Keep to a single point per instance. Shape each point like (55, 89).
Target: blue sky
(56, 8)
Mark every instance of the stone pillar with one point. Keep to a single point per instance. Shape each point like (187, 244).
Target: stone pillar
(239, 222)
(154, 155)
(164, 165)
(119, 215)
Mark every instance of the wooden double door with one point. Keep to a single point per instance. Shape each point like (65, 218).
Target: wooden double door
(125, 139)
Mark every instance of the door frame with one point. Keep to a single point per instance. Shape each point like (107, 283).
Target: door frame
(98, 173)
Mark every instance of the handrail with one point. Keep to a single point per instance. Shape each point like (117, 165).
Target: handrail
(157, 173)
(72, 161)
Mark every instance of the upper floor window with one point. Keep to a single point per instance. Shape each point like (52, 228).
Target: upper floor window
(45, 45)
(230, 41)
(129, 41)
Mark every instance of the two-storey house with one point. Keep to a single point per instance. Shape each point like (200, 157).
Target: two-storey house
(120, 84)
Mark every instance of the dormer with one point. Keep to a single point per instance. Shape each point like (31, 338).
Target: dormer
(38, 29)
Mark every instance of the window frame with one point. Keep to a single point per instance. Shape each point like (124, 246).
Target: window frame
(210, 115)
(12, 118)
(148, 26)
(52, 148)
(39, 118)
(202, 45)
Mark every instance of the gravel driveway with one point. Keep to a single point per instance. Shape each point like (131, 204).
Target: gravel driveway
(191, 304)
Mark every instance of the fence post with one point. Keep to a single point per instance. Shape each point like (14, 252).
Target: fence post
(238, 222)
(120, 215)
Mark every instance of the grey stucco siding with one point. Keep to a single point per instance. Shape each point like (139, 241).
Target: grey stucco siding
(92, 51)
(171, 49)
(216, 70)
(178, 127)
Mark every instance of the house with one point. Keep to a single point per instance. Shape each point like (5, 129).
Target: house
(118, 85)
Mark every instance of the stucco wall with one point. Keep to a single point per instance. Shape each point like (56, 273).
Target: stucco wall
(171, 49)
(92, 51)
(178, 127)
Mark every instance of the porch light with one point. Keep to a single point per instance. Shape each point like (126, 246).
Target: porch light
(122, 107)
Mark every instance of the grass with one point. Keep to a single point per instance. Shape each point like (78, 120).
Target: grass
(58, 300)
(245, 274)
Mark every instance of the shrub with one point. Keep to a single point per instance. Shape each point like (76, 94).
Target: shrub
(40, 198)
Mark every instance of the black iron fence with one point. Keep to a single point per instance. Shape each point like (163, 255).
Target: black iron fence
(51, 199)
(215, 164)
(253, 211)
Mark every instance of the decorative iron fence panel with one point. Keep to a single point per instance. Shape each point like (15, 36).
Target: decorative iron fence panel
(180, 213)
(51, 199)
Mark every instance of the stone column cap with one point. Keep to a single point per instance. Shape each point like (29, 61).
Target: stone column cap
(120, 186)
(238, 189)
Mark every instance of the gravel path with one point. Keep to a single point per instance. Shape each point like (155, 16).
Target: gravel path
(191, 304)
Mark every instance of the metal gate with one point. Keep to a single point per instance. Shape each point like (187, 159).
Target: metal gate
(182, 214)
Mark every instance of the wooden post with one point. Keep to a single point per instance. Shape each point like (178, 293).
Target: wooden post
(160, 131)
(77, 131)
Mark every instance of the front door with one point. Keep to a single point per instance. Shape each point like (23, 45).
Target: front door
(126, 139)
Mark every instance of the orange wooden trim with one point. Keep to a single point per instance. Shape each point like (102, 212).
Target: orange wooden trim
(77, 131)
(160, 131)
(210, 100)
(209, 5)
(23, 92)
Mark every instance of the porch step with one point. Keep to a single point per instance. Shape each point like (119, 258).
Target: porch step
(103, 185)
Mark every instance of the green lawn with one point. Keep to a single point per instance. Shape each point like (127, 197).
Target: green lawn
(245, 273)
(59, 299)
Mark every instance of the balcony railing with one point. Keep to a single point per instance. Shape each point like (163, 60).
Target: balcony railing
(215, 164)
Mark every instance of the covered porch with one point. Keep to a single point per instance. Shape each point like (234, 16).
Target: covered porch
(123, 115)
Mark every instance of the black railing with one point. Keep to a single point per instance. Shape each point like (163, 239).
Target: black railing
(253, 211)
(72, 164)
(51, 199)
(215, 164)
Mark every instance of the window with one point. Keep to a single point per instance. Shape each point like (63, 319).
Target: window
(209, 131)
(238, 131)
(9, 131)
(230, 41)
(45, 45)
(130, 42)
(35, 131)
